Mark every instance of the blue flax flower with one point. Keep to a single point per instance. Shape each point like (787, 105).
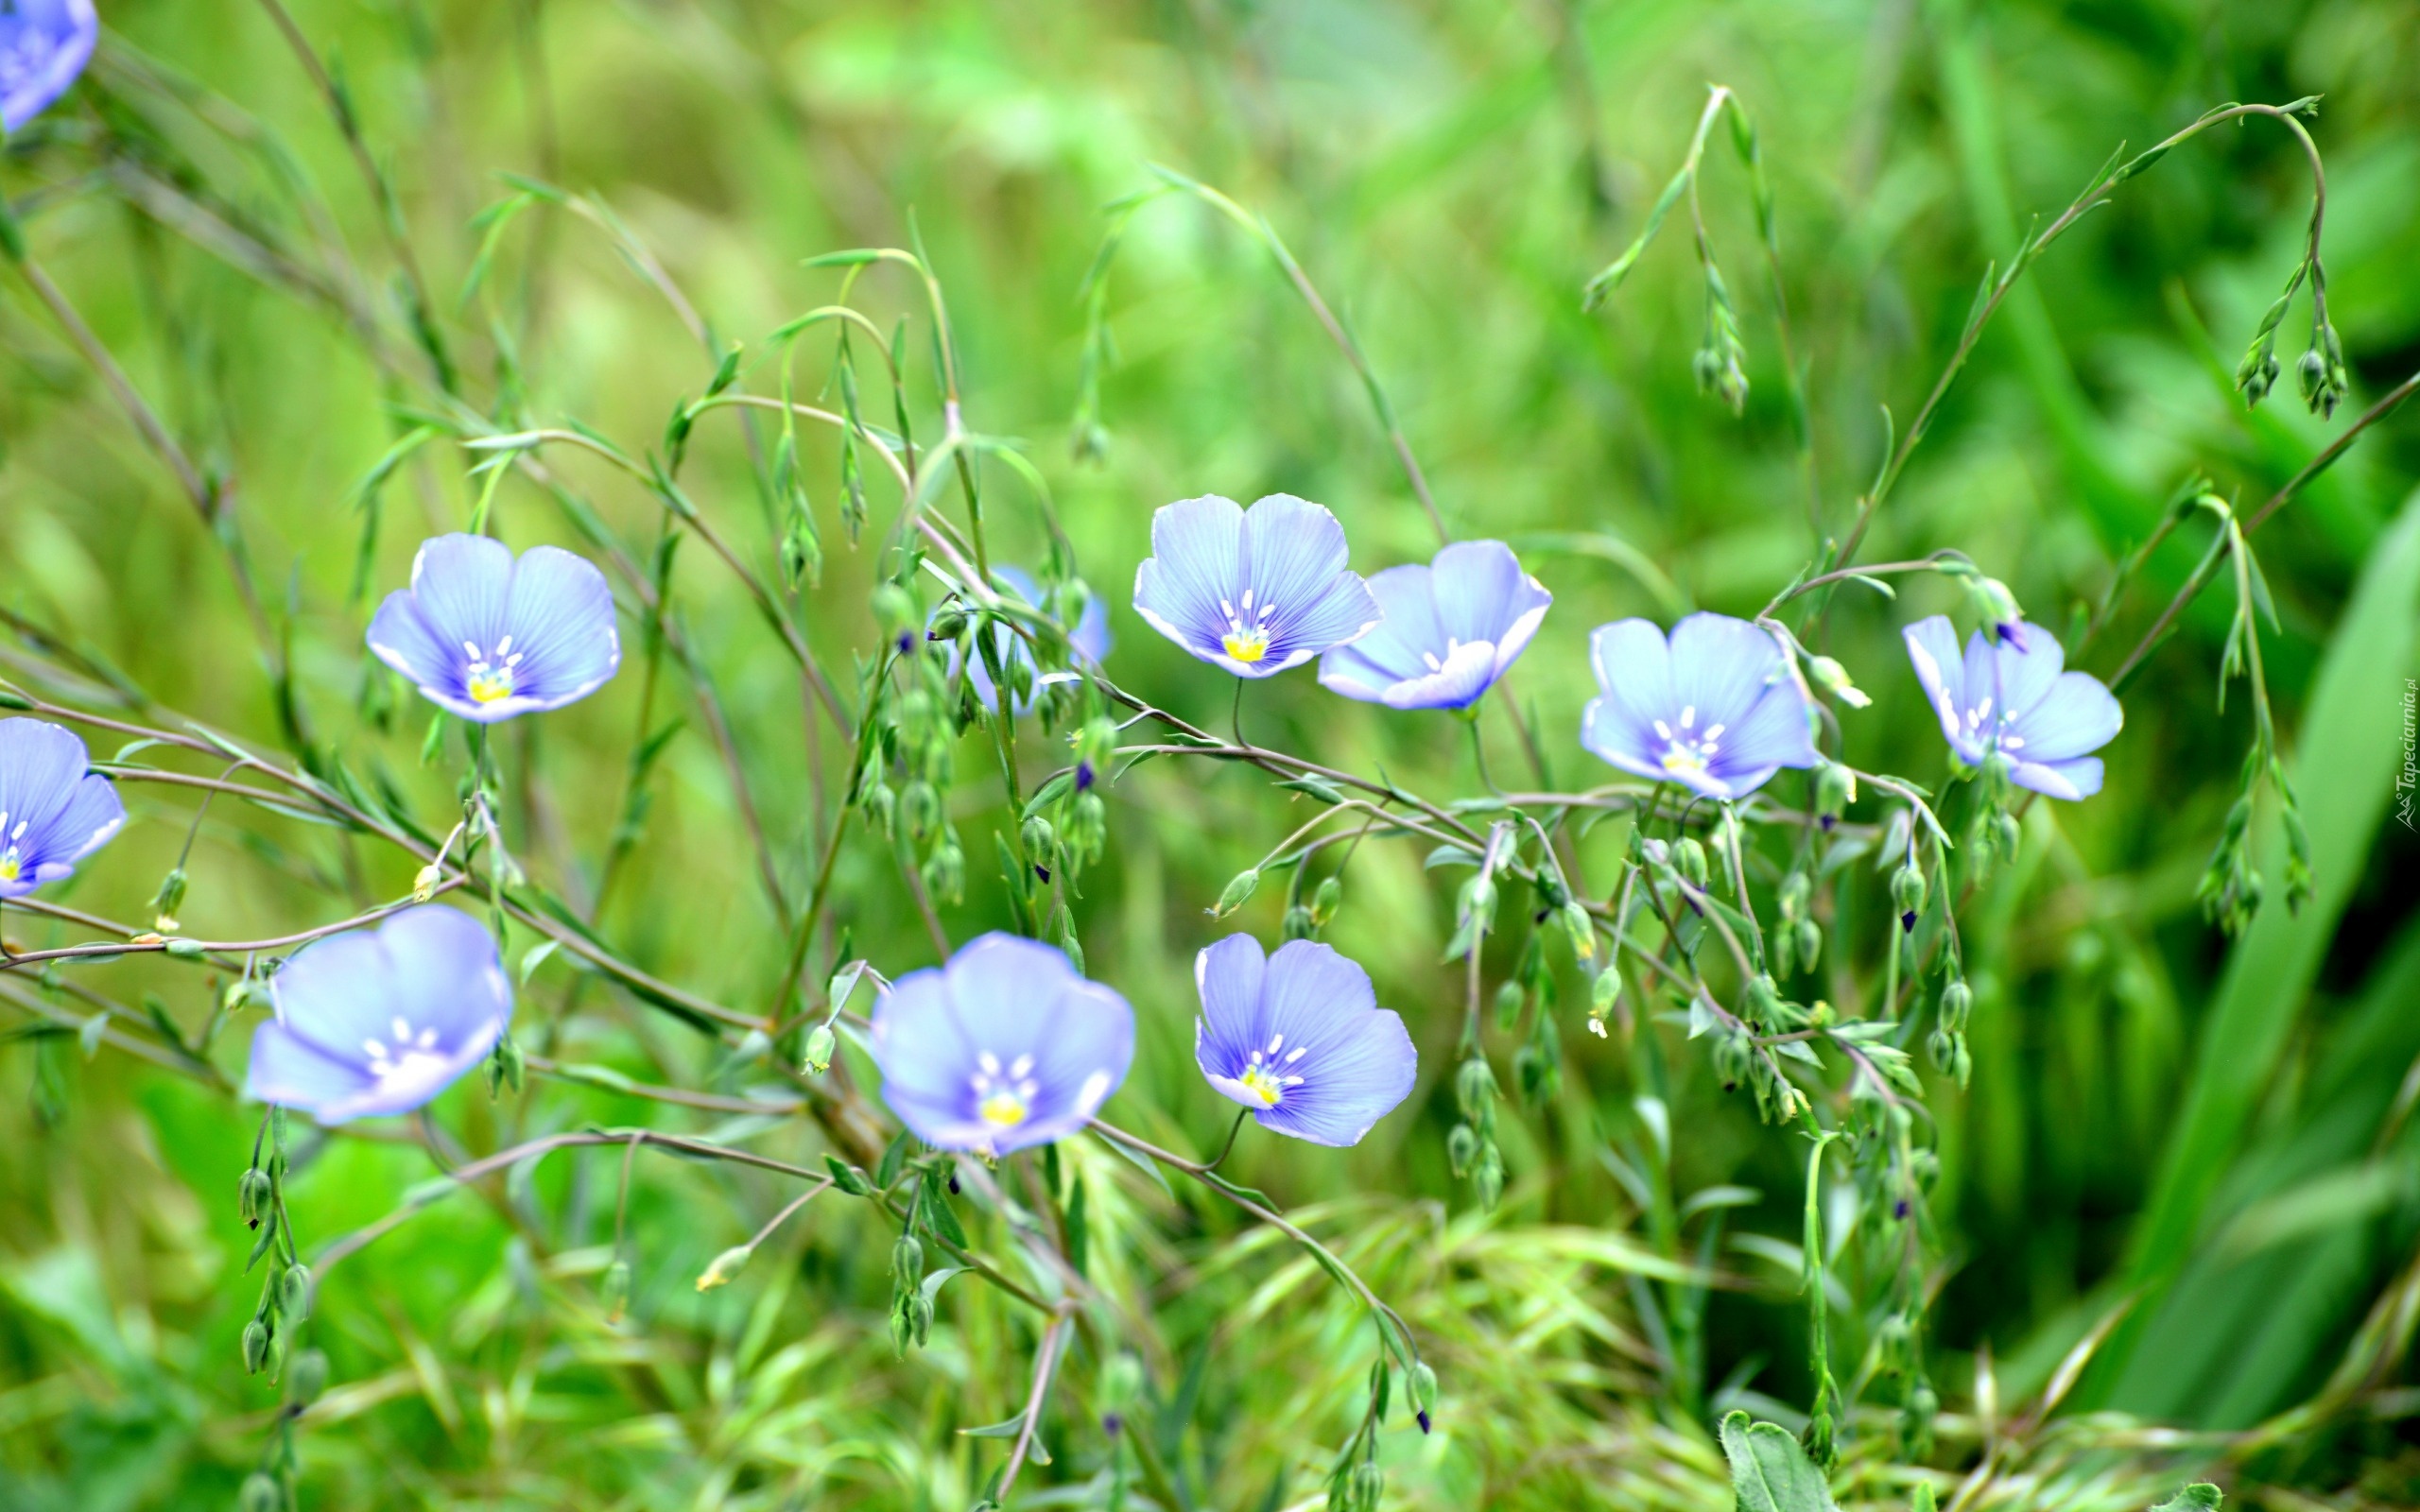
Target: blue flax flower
(2013, 697)
(1003, 1047)
(1089, 640)
(53, 812)
(1715, 710)
(486, 637)
(43, 45)
(1298, 1039)
(376, 1022)
(1256, 591)
(1451, 629)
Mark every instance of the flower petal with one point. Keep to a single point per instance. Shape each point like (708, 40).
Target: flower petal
(399, 636)
(1357, 1060)
(561, 618)
(2074, 778)
(50, 42)
(1482, 594)
(93, 813)
(1466, 675)
(1720, 667)
(463, 585)
(428, 969)
(1633, 667)
(2075, 717)
(291, 1072)
(1771, 734)
(1196, 561)
(1932, 650)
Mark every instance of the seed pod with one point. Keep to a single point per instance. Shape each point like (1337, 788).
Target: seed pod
(256, 1347)
(253, 1195)
(1509, 1001)
(725, 1266)
(1908, 893)
(1299, 923)
(1474, 1088)
(907, 1262)
(819, 1045)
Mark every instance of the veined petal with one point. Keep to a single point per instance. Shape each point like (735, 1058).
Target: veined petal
(43, 45)
(291, 1072)
(2077, 778)
(91, 815)
(1772, 733)
(1196, 563)
(561, 618)
(1932, 650)
(463, 585)
(1466, 674)
(1633, 667)
(1720, 667)
(400, 637)
(2075, 717)
(1482, 594)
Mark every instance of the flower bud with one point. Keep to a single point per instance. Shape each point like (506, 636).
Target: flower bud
(1832, 677)
(921, 806)
(1325, 899)
(1422, 1382)
(1488, 1179)
(907, 1262)
(1908, 893)
(819, 1045)
(1764, 1008)
(294, 1292)
(1087, 825)
(1793, 893)
(306, 1378)
(1582, 930)
(2311, 372)
(944, 871)
(1474, 1088)
(1997, 607)
(1478, 901)
(1835, 790)
(2006, 837)
(1041, 841)
(261, 1493)
(1238, 893)
(1808, 936)
(1369, 1486)
(1603, 994)
(894, 609)
(170, 898)
(253, 1195)
(256, 1347)
(1299, 923)
(424, 882)
(614, 1292)
(1509, 1001)
(1462, 1148)
(512, 1063)
(947, 624)
(726, 1265)
(1957, 1002)
(1688, 859)
(1020, 676)
(1656, 853)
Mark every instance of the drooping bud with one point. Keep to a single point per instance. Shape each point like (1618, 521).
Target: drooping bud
(1908, 894)
(1325, 899)
(1041, 841)
(294, 1292)
(725, 1266)
(1835, 790)
(906, 1261)
(1688, 859)
(1462, 1148)
(1474, 1088)
(1808, 936)
(820, 1043)
(1422, 1382)
(1299, 923)
(894, 609)
(1238, 893)
(1488, 1179)
(424, 882)
(256, 1347)
(1997, 608)
(253, 1195)
(1957, 1002)
(1830, 677)
(1509, 1001)
(171, 897)
(1580, 930)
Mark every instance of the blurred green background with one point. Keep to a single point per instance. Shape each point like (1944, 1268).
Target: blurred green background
(1448, 174)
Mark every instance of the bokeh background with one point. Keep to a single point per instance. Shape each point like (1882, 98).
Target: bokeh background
(1449, 175)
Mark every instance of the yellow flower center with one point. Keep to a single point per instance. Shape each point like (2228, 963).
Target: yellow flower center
(1264, 1083)
(9, 866)
(1686, 752)
(1003, 1109)
(491, 677)
(1248, 645)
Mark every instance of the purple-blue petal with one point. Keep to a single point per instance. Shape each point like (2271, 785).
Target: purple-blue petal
(2077, 716)
(43, 45)
(1308, 1017)
(1278, 568)
(472, 615)
(1448, 630)
(1932, 650)
(1715, 709)
(561, 618)
(1634, 672)
(2014, 696)
(409, 1005)
(53, 811)
(1005, 1014)
(1196, 561)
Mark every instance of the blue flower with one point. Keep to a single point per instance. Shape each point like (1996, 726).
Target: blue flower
(53, 812)
(2011, 696)
(43, 45)
(1716, 710)
(1298, 1039)
(487, 637)
(1089, 640)
(1451, 629)
(374, 1021)
(1003, 1047)
(1254, 591)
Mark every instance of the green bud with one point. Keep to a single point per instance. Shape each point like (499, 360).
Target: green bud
(1478, 899)
(1325, 899)
(1488, 1179)
(1087, 825)
(614, 1292)
(1474, 1088)
(1835, 790)
(921, 806)
(1509, 1001)
(1604, 994)
(1238, 892)
(944, 871)
(306, 1378)
(725, 1266)
(1830, 677)
(907, 1262)
(1369, 1485)
(1422, 1382)
(1764, 1003)
(256, 1347)
(514, 1064)
(820, 1046)
(1020, 675)
(1462, 1148)
(1299, 923)
(2005, 835)
(170, 898)
(1551, 890)
(253, 1195)
(1688, 859)
(894, 609)
(294, 1292)
(1908, 893)
(947, 624)
(2310, 373)
(1041, 841)
(1957, 1002)
(1580, 930)
(261, 1493)
(1793, 893)
(1808, 936)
